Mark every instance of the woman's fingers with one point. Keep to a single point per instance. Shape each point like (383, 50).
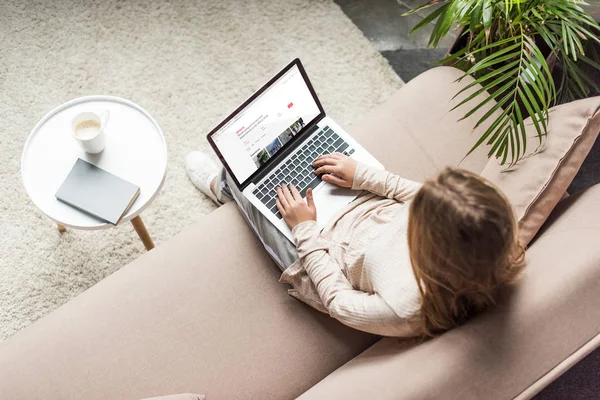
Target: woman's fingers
(335, 180)
(281, 197)
(325, 160)
(334, 156)
(280, 207)
(326, 169)
(287, 193)
(310, 201)
(295, 193)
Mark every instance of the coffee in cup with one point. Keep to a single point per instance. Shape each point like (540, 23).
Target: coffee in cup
(89, 131)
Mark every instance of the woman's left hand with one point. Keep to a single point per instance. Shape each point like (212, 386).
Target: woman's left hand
(292, 207)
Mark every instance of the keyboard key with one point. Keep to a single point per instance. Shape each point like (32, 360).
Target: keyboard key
(343, 147)
(271, 203)
(338, 143)
(313, 184)
(351, 151)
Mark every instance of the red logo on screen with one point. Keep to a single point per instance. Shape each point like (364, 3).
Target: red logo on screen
(290, 105)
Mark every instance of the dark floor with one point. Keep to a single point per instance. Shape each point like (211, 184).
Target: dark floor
(381, 21)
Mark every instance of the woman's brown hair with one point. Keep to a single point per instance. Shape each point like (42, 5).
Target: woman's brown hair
(462, 238)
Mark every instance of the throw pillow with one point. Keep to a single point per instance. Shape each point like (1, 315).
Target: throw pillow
(537, 183)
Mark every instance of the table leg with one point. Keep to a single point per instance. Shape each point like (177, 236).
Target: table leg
(142, 232)
(61, 228)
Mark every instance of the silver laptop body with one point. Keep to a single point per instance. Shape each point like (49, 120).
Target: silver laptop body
(274, 136)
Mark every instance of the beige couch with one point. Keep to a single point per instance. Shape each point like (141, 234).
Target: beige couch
(204, 312)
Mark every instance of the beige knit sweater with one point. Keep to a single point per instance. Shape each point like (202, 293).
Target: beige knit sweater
(357, 269)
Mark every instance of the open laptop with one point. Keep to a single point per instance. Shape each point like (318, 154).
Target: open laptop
(274, 137)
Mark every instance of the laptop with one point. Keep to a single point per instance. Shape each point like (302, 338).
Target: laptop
(274, 137)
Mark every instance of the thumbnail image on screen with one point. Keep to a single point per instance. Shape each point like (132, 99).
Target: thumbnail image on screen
(263, 155)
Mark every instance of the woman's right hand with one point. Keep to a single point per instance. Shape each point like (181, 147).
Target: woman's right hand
(336, 168)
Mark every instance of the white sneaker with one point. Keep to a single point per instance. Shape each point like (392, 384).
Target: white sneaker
(202, 171)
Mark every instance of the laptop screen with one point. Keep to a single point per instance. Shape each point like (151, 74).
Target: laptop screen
(269, 120)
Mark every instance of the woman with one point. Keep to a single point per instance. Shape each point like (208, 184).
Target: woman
(403, 259)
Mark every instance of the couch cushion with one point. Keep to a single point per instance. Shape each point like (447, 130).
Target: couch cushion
(551, 313)
(537, 183)
(414, 133)
(202, 313)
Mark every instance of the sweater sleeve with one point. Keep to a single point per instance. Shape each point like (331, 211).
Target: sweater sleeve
(357, 309)
(384, 183)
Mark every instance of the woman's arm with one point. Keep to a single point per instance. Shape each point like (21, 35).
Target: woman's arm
(343, 171)
(383, 183)
(357, 309)
(363, 311)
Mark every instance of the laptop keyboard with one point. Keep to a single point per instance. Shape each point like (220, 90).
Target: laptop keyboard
(298, 169)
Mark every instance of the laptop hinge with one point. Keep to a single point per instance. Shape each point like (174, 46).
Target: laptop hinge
(285, 152)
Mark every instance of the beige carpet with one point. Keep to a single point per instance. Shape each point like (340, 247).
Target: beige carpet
(188, 63)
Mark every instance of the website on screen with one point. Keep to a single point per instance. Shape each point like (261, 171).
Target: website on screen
(262, 128)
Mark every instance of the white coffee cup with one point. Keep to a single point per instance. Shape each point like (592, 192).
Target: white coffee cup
(89, 131)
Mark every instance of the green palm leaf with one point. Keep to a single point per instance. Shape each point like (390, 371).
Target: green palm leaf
(501, 50)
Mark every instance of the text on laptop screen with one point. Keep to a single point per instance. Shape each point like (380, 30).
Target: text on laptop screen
(261, 129)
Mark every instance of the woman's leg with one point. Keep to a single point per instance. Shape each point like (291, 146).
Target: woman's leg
(281, 250)
(214, 182)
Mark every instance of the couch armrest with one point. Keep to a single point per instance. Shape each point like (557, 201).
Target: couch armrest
(415, 134)
(550, 314)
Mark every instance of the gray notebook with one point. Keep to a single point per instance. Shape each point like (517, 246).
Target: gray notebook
(97, 192)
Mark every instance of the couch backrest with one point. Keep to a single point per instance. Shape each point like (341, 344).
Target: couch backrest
(414, 133)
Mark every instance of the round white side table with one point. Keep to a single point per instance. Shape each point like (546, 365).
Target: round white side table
(135, 151)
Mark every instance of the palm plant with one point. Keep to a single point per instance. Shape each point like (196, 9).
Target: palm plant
(511, 48)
